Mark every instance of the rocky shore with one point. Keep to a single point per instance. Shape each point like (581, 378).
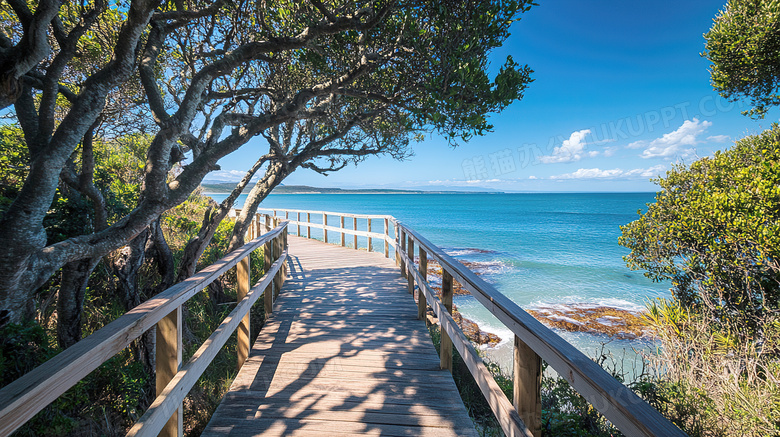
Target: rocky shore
(614, 322)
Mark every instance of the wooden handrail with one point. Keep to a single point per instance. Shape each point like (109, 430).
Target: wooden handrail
(26, 396)
(627, 411)
(621, 406)
(341, 229)
(345, 214)
(161, 409)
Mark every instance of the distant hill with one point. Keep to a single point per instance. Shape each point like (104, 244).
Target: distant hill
(227, 187)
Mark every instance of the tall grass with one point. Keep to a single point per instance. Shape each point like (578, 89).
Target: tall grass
(716, 378)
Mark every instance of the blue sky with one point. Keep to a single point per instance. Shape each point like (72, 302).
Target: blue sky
(620, 94)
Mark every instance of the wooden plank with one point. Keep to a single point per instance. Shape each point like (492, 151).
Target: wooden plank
(268, 294)
(360, 216)
(445, 345)
(370, 241)
(396, 246)
(23, 398)
(403, 249)
(341, 222)
(616, 402)
(422, 302)
(507, 416)
(355, 236)
(319, 428)
(410, 265)
(242, 289)
(168, 353)
(387, 236)
(174, 393)
(325, 227)
(278, 253)
(354, 232)
(342, 353)
(528, 386)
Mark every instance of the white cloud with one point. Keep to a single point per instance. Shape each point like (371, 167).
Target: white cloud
(532, 177)
(457, 181)
(571, 150)
(226, 176)
(718, 138)
(615, 173)
(676, 143)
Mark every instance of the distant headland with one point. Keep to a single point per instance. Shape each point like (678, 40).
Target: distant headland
(227, 187)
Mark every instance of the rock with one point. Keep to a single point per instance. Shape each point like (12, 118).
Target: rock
(614, 322)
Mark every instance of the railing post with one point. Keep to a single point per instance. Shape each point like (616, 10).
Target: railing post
(299, 224)
(387, 235)
(278, 277)
(168, 351)
(242, 289)
(324, 224)
(422, 303)
(308, 225)
(445, 347)
(354, 237)
(341, 223)
(528, 386)
(403, 249)
(284, 247)
(397, 247)
(410, 267)
(370, 240)
(268, 223)
(268, 294)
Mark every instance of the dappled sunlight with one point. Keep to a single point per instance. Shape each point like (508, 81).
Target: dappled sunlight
(343, 353)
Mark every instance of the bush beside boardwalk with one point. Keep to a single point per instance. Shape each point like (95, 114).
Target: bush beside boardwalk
(110, 399)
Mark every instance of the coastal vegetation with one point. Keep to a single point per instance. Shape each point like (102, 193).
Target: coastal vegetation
(114, 112)
(324, 84)
(712, 233)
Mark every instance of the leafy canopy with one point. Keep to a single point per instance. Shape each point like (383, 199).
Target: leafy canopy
(714, 230)
(743, 46)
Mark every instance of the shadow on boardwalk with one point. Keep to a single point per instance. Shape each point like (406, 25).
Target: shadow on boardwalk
(343, 353)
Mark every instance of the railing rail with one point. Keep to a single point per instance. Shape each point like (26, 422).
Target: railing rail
(25, 397)
(342, 230)
(533, 342)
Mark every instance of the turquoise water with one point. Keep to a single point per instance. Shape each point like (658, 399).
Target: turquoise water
(539, 249)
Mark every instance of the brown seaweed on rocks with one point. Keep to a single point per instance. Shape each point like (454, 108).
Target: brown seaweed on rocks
(614, 322)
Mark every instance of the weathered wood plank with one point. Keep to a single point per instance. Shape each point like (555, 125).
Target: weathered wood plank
(342, 353)
(528, 386)
(168, 348)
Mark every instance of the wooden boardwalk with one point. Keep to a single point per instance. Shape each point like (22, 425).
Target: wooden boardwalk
(342, 354)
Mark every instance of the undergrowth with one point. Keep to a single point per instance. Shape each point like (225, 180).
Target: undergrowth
(115, 395)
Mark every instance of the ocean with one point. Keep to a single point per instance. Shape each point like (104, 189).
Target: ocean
(542, 250)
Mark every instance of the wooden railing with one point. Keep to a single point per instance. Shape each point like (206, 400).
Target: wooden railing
(25, 397)
(295, 218)
(533, 342)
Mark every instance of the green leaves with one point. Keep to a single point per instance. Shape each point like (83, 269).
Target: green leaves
(714, 230)
(742, 46)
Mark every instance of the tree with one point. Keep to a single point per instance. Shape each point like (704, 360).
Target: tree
(714, 231)
(213, 76)
(742, 45)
